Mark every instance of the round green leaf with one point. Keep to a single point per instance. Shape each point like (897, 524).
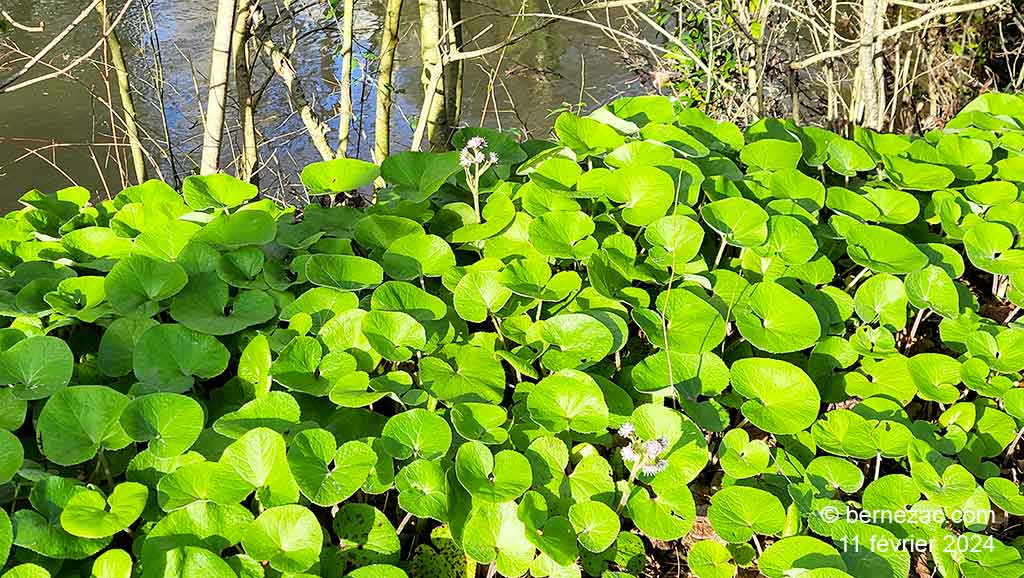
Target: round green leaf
(803, 552)
(645, 193)
(418, 175)
(202, 304)
(345, 272)
(595, 524)
(492, 478)
(581, 341)
(26, 571)
(775, 320)
(422, 489)
(138, 283)
(742, 458)
(325, 473)
(563, 234)
(737, 513)
(338, 176)
(201, 481)
(216, 191)
(394, 334)
(77, 421)
(171, 423)
(37, 367)
(277, 411)
(478, 294)
(480, 421)
(741, 222)
(782, 399)
(710, 559)
(417, 255)
(12, 455)
(417, 433)
(6, 537)
(259, 457)
(112, 564)
(365, 536)
(193, 562)
(288, 537)
(568, 400)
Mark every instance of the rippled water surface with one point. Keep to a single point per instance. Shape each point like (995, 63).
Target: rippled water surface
(46, 129)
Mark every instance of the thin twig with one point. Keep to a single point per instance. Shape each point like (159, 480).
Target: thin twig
(50, 45)
(898, 30)
(20, 26)
(9, 87)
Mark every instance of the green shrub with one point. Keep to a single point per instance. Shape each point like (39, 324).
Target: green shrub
(549, 357)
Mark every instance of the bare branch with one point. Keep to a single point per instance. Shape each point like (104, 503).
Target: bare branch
(50, 45)
(314, 126)
(9, 87)
(21, 26)
(899, 30)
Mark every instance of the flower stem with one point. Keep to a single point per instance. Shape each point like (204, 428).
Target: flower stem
(629, 483)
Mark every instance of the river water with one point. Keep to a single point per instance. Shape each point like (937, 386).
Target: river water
(57, 133)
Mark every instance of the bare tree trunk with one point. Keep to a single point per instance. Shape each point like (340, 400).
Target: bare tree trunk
(430, 56)
(131, 129)
(345, 104)
(867, 108)
(220, 63)
(879, 68)
(830, 75)
(243, 78)
(385, 91)
(753, 56)
(454, 71)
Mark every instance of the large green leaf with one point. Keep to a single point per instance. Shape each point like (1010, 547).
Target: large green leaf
(216, 191)
(78, 421)
(338, 176)
(418, 175)
(345, 272)
(739, 221)
(289, 538)
(776, 320)
(89, 515)
(37, 367)
(782, 399)
(171, 423)
(568, 399)
(169, 357)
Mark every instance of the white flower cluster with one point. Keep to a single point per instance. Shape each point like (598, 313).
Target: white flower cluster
(475, 153)
(645, 453)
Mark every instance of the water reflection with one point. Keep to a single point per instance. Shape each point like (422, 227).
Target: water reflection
(536, 75)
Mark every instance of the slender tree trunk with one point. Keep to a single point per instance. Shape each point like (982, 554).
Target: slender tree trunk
(385, 91)
(220, 64)
(430, 56)
(830, 75)
(879, 68)
(243, 78)
(454, 71)
(131, 129)
(314, 126)
(867, 108)
(345, 104)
